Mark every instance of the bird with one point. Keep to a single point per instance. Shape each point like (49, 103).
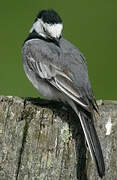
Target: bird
(58, 70)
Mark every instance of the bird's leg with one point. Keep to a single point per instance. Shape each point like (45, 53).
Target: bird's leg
(38, 101)
(43, 102)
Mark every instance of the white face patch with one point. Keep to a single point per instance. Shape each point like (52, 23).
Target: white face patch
(38, 27)
(54, 30)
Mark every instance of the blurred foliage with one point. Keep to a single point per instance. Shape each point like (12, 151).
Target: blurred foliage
(90, 25)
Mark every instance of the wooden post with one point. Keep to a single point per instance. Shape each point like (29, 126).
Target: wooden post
(47, 143)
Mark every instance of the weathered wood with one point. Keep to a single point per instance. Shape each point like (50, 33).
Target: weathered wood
(47, 143)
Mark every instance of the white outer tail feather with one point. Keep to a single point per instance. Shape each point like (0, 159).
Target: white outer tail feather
(85, 135)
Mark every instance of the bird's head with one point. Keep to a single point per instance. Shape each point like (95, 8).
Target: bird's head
(48, 24)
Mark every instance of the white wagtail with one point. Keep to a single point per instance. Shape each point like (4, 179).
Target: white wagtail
(57, 69)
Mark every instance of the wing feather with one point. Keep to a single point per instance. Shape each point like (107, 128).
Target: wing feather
(67, 88)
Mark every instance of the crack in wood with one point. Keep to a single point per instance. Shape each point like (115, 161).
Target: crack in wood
(25, 131)
(62, 163)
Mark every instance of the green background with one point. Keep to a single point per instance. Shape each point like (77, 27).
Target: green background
(89, 25)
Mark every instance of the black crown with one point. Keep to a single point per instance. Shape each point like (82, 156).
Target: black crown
(49, 16)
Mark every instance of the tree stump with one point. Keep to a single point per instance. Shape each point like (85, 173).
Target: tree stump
(47, 142)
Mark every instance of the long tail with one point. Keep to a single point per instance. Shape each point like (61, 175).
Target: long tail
(93, 142)
(92, 139)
